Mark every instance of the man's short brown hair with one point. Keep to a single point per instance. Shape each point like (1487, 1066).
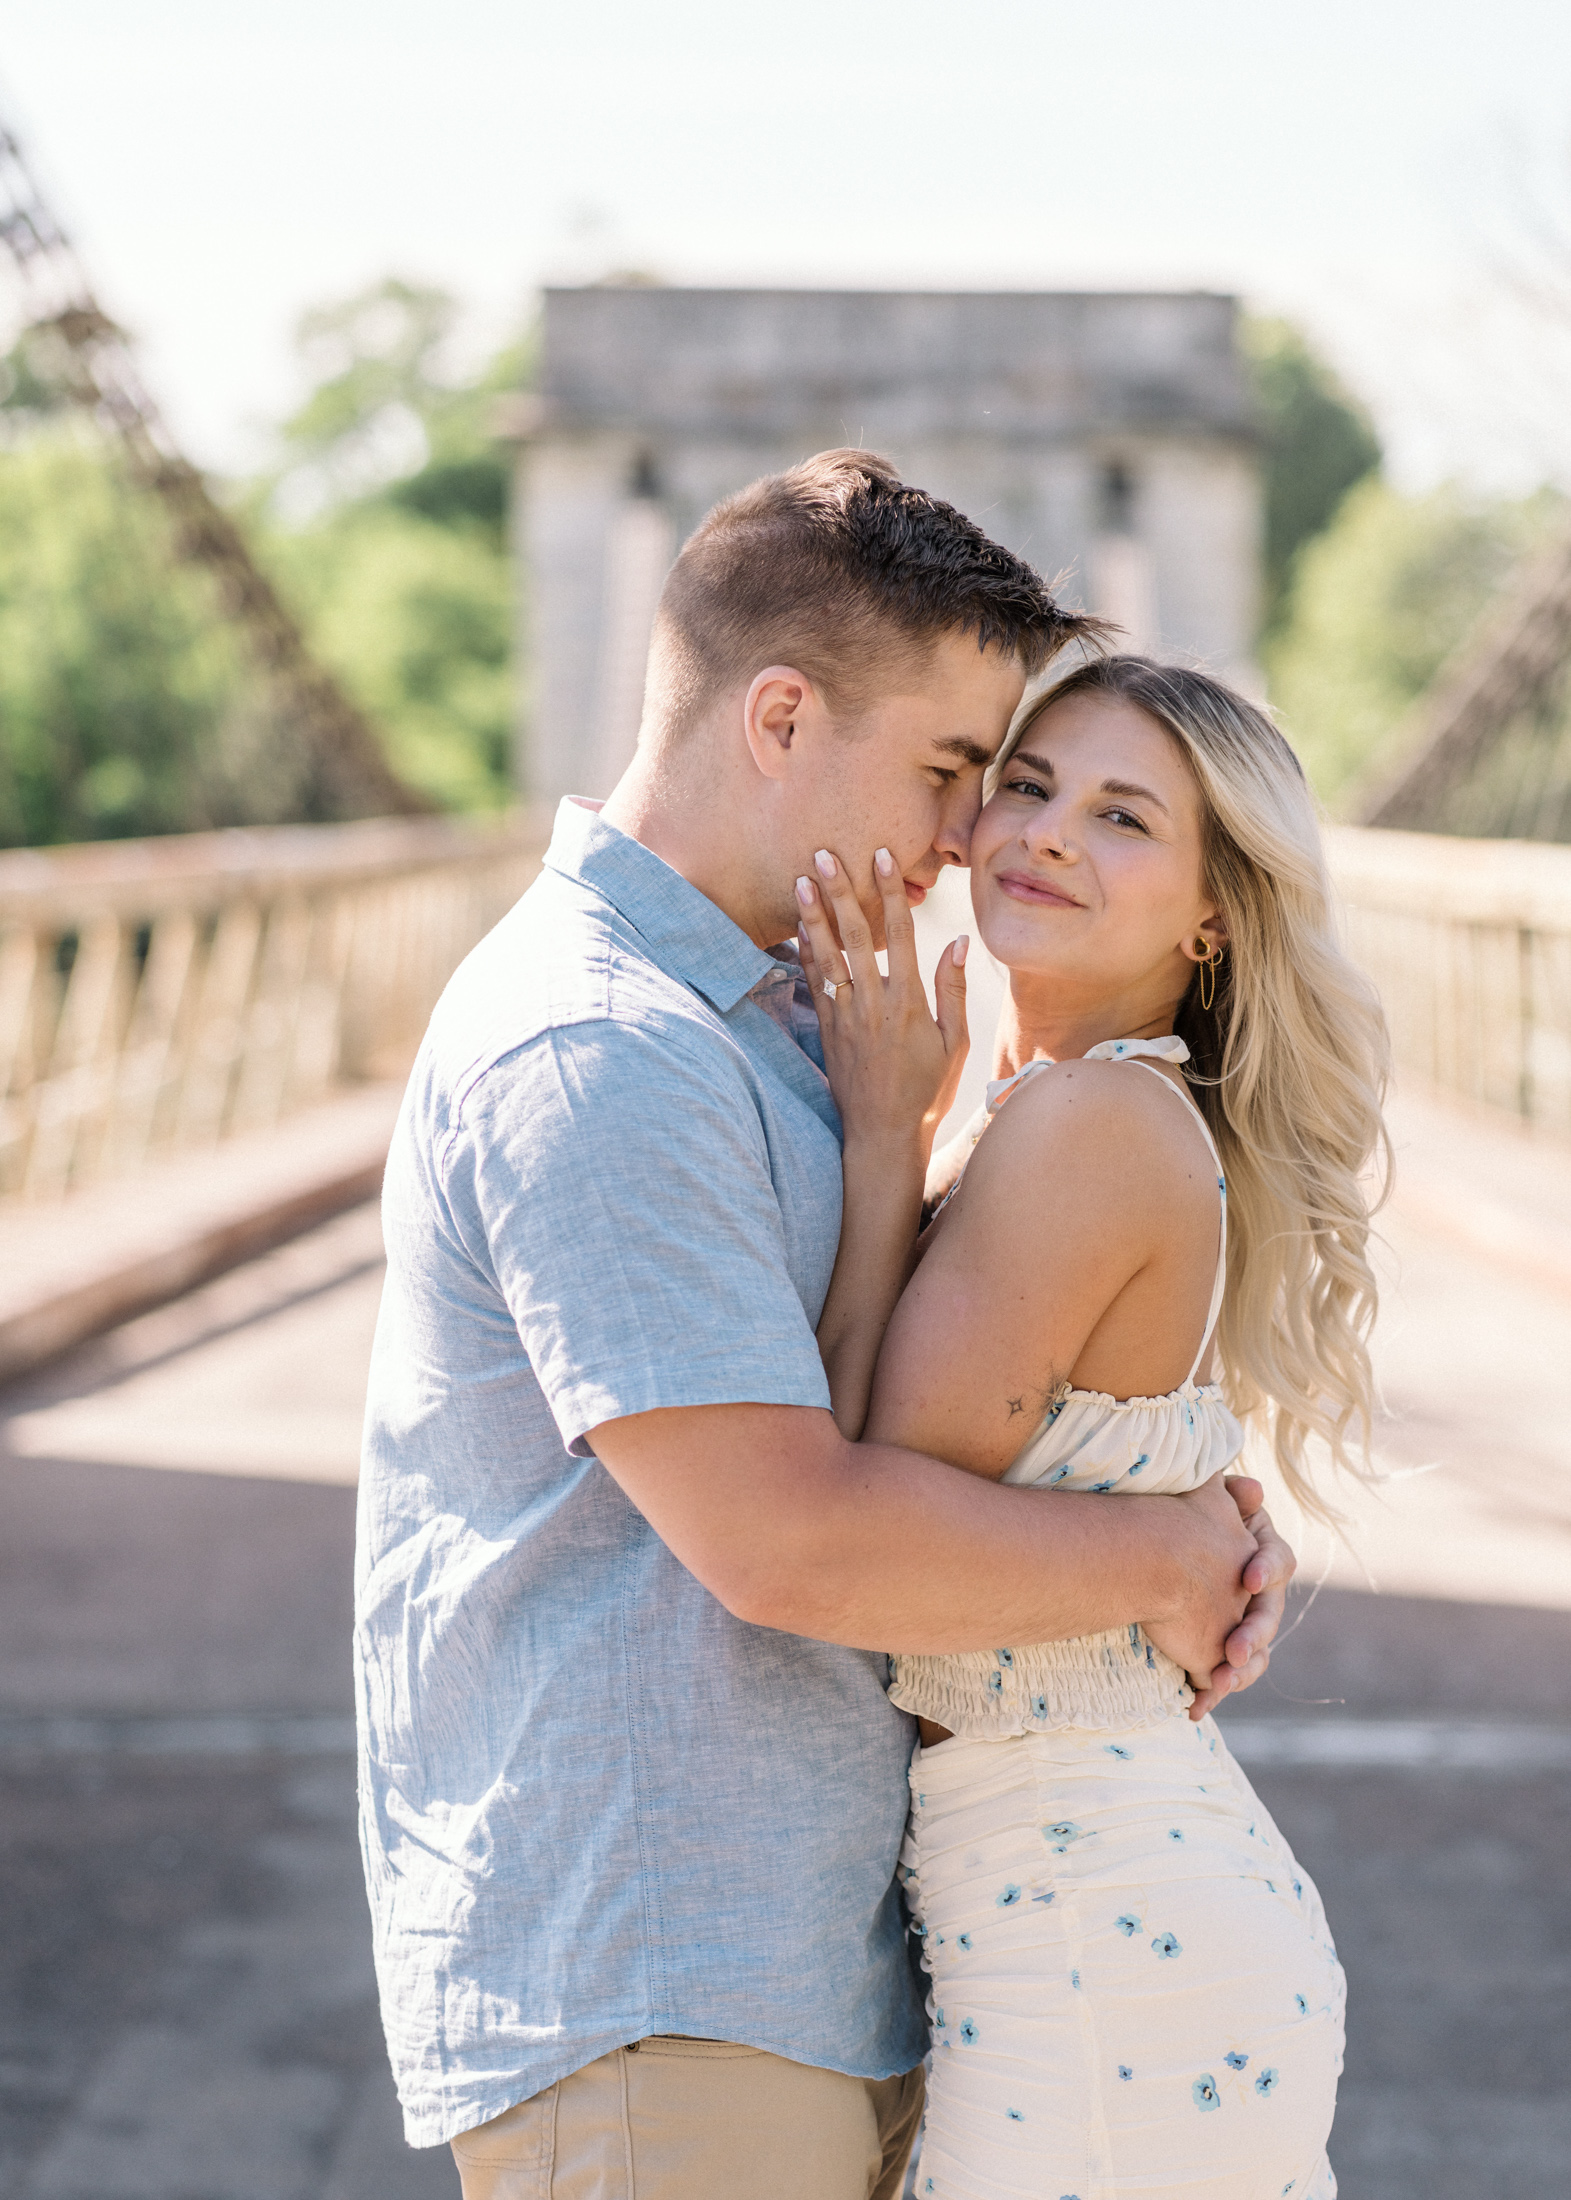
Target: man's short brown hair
(830, 568)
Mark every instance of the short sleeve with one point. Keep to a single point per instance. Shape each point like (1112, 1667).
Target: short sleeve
(619, 1175)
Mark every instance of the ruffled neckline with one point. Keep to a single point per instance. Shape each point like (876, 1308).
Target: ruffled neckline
(1189, 1391)
(1169, 1048)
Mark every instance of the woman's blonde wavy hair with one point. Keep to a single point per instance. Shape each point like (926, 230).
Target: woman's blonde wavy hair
(1289, 1066)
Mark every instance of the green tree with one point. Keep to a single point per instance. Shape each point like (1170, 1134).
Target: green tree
(126, 703)
(1378, 602)
(415, 618)
(125, 707)
(1317, 443)
(385, 419)
(399, 566)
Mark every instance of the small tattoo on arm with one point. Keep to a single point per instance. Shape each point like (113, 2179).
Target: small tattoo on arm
(1015, 1405)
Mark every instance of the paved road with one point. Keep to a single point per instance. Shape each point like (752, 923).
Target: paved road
(186, 2005)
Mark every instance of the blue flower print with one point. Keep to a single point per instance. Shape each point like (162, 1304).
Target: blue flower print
(1150, 1657)
(1074, 1980)
(1115, 1749)
(1235, 2061)
(1100, 1489)
(1165, 1945)
(1125, 2072)
(1134, 1637)
(1266, 2082)
(968, 2033)
(1059, 1474)
(1189, 1414)
(1127, 1925)
(1143, 1461)
(928, 2186)
(1014, 2115)
(1061, 1834)
(1039, 1707)
(1298, 1888)
(1303, 2006)
(1205, 2092)
(1045, 1899)
(963, 1940)
(995, 1682)
(939, 2020)
(1175, 1833)
(1005, 1657)
(1008, 1899)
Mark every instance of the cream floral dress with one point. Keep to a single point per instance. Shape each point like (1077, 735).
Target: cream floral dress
(1133, 1987)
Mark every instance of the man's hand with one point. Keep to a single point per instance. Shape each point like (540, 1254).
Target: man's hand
(1247, 1651)
(1236, 1569)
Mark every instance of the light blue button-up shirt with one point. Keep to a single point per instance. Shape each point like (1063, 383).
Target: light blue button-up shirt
(594, 1805)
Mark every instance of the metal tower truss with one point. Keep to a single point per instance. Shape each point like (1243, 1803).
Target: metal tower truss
(1487, 749)
(76, 349)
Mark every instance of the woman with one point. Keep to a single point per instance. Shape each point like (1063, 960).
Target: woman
(1158, 1223)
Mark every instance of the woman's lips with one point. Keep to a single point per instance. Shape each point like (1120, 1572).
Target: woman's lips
(915, 894)
(1020, 886)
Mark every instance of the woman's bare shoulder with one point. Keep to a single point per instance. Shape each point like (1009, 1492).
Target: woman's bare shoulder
(1082, 1123)
(1080, 1103)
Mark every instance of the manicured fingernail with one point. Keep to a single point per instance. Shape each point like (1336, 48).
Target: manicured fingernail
(961, 948)
(805, 890)
(825, 862)
(885, 862)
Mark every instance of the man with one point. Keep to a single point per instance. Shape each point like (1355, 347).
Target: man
(632, 1789)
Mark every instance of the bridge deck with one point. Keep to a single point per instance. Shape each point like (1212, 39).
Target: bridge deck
(186, 2002)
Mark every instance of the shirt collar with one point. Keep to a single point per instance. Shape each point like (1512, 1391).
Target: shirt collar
(686, 933)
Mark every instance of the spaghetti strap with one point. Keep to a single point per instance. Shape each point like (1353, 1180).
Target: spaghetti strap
(1220, 1285)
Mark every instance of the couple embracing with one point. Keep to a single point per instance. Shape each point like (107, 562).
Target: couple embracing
(766, 1684)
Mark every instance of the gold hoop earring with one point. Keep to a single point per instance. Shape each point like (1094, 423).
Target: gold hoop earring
(1210, 963)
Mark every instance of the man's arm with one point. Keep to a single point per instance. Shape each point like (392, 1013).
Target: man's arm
(789, 1525)
(628, 1306)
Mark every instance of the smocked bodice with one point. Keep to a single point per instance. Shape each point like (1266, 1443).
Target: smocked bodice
(1089, 1441)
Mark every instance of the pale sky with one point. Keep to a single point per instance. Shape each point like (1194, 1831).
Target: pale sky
(1355, 163)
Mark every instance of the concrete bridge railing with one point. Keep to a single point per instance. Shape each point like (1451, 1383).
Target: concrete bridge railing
(163, 994)
(159, 995)
(1469, 942)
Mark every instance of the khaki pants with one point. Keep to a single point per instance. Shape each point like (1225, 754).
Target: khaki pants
(680, 2119)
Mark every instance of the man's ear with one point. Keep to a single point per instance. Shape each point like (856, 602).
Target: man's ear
(776, 703)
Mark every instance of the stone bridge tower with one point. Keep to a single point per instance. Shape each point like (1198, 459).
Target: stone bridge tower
(1107, 436)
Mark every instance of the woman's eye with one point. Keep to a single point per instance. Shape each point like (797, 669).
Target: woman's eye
(1033, 787)
(1125, 817)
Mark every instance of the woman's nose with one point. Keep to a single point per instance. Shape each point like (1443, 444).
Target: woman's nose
(1046, 838)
